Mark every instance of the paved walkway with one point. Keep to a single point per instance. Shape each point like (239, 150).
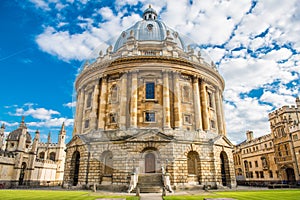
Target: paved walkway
(150, 196)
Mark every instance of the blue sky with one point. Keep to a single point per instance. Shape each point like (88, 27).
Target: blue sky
(255, 45)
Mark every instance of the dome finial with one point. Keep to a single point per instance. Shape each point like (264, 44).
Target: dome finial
(149, 5)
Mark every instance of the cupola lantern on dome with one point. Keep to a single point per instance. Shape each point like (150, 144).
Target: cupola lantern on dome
(150, 14)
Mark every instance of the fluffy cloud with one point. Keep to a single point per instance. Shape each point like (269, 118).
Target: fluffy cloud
(256, 45)
(70, 104)
(37, 113)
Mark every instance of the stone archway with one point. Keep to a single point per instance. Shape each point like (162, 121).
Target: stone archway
(22, 173)
(75, 164)
(225, 172)
(290, 175)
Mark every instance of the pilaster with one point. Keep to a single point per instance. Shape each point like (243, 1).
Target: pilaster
(123, 102)
(103, 101)
(198, 116)
(134, 95)
(166, 100)
(204, 106)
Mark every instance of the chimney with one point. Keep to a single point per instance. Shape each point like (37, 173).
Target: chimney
(249, 135)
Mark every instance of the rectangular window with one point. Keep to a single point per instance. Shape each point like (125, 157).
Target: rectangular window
(256, 163)
(295, 137)
(210, 100)
(270, 174)
(187, 119)
(150, 90)
(213, 124)
(261, 174)
(89, 100)
(257, 174)
(86, 123)
(149, 116)
(250, 164)
(113, 118)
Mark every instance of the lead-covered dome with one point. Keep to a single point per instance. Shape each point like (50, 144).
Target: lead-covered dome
(149, 29)
(15, 135)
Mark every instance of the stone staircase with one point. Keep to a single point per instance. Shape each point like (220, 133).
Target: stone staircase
(150, 183)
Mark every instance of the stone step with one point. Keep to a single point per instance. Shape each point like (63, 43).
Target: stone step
(150, 183)
(152, 189)
(150, 179)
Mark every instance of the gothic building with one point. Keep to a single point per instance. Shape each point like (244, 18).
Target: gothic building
(30, 163)
(150, 104)
(275, 157)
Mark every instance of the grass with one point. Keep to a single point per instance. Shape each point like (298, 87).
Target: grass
(56, 195)
(244, 195)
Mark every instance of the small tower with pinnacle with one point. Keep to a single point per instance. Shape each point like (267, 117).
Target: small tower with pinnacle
(61, 154)
(2, 136)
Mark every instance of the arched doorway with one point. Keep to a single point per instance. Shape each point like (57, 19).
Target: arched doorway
(150, 163)
(290, 174)
(22, 173)
(107, 163)
(225, 175)
(75, 163)
(192, 162)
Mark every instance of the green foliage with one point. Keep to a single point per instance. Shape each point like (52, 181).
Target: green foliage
(244, 195)
(56, 195)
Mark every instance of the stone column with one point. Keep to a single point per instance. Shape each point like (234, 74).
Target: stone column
(204, 106)
(166, 100)
(95, 106)
(134, 96)
(222, 113)
(123, 102)
(198, 116)
(103, 102)
(79, 112)
(219, 113)
(177, 101)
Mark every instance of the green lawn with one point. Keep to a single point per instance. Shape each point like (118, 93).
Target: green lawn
(55, 195)
(245, 195)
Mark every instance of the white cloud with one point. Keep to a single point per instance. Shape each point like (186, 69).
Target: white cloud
(37, 113)
(54, 122)
(256, 50)
(70, 104)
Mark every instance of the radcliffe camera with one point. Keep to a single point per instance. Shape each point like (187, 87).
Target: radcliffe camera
(150, 100)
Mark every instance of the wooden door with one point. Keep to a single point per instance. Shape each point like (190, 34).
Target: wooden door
(150, 163)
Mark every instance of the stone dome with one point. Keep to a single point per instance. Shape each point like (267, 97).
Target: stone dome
(149, 29)
(15, 135)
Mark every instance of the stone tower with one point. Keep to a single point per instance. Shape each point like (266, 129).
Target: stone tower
(149, 103)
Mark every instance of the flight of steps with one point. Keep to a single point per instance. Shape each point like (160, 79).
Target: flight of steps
(150, 183)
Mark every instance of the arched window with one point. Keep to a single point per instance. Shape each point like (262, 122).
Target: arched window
(192, 162)
(42, 155)
(52, 156)
(114, 93)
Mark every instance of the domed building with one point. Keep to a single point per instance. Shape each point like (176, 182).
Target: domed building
(24, 161)
(150, 106)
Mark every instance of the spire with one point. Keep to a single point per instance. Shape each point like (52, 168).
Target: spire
(22, 124)
(49, 138)
(62, 130)
(35, 141)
